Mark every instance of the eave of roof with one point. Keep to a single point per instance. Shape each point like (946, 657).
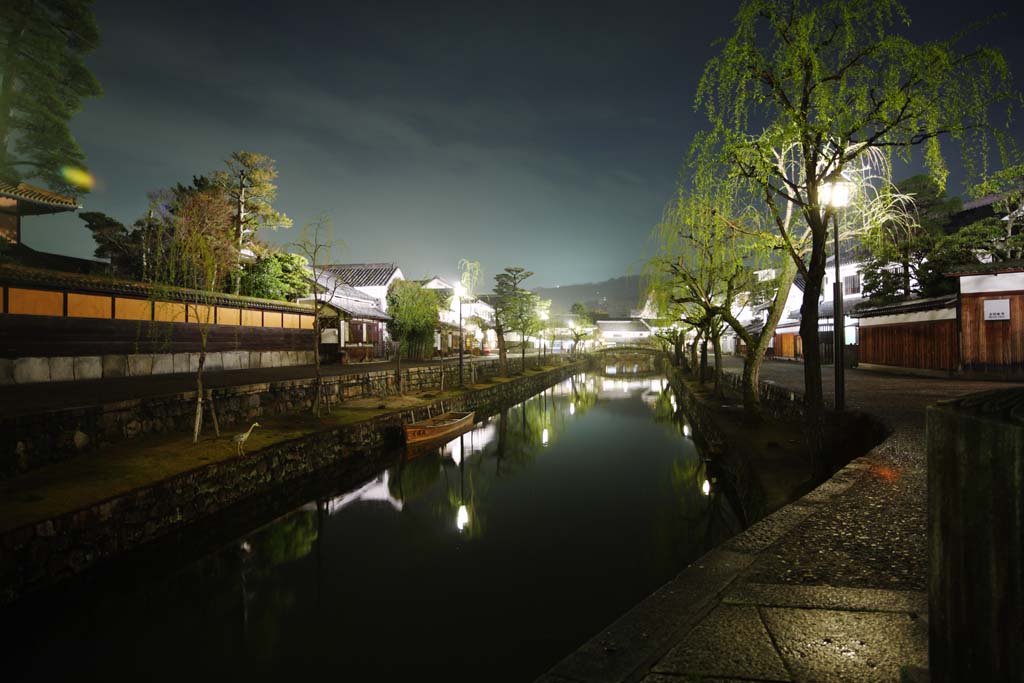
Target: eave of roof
(41, 201)
(12, 274)
(985, 268)
(911, 306)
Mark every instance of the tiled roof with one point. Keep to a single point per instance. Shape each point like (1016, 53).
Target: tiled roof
(331, 283)
(986, 268)
(11, 274)
(910, 306)
(363, 274)
(45, 201)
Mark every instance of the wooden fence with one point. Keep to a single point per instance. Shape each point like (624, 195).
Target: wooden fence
(929, 345)
(992, 345)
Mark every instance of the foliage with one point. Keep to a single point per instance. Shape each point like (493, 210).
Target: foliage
(1000, 237)
(414, 315)
(123, 247)
(197, 253)
(517, 306)
(902, 251)
(249, 182)
(470, 273)
(43, 80)
(806, 92)
(276, 275)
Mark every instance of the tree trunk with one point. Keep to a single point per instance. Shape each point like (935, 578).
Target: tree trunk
(814, 407)
(318, 384)
(716, 343)
(198, 426)
(522, 353)
(703, 358)
(502, 349)
(398, 368)
(756, 352)
(678, 348)
(693, 355)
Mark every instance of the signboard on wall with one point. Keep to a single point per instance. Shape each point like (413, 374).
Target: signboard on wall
(997, 309)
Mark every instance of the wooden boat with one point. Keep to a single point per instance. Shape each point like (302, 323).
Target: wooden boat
(446, 424)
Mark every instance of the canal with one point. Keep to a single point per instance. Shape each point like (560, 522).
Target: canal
(488, 558)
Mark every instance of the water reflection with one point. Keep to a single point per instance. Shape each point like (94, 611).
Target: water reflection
(573, 505)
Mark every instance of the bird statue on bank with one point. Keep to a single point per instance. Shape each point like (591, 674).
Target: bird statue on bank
(240, 439)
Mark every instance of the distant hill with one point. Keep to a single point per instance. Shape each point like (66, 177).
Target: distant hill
(617, 296)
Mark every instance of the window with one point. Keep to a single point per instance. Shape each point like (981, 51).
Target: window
(851, 284)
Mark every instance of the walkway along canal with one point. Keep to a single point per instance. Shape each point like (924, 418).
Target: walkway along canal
(488, 558)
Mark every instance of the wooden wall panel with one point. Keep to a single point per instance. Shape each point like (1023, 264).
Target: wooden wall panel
(307, 322)
(252, 318)
(34, 301)
(271, 319)
(291, 321)
(166, 311)
(992, 345)
(133, 309)
(88, 306)
(928, 345)
(229, 316)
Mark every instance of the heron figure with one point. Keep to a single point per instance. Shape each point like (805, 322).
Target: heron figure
(240, 439)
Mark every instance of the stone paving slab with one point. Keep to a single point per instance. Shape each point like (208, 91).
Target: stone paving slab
(731, 641)
(831, 645)
(827, 597)
(647, 630)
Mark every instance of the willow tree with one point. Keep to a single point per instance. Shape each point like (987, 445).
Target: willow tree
(822, 86)
(43, 79)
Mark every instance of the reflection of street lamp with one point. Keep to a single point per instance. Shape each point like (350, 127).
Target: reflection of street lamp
(835, 192)
(462, 516)
(459, 291)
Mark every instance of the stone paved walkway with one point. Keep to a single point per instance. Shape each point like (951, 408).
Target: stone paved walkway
(829, 588)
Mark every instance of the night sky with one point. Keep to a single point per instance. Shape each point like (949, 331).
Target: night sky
(534, 134)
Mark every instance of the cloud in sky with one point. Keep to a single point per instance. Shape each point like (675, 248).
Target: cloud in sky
(535, 134)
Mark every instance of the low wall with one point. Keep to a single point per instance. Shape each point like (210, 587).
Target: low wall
(32, 369)
(39, 554)
(976, 537)
(33, 440)
(777, 401)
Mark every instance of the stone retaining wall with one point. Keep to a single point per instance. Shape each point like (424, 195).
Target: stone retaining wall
(30, 441)
(39, 554)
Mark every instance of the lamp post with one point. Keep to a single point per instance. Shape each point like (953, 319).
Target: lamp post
(459, 291)
(835, 192)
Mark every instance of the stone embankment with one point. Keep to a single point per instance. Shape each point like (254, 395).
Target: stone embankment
(32, 439)
(34, 555)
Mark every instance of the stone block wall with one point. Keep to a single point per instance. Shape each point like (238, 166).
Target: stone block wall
(39, 554)
(30, 441)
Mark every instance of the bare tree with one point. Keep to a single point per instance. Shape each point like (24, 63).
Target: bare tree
(317, 245)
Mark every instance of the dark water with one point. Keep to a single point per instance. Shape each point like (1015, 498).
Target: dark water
(488, 559)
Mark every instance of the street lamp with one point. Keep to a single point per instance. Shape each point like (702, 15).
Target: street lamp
(835, 192)
(459, 291)
(544, 317)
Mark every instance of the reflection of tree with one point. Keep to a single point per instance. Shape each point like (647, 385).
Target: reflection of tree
(416, 477)
(583, 397)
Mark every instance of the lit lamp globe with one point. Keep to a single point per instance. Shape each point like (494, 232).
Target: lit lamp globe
(836, 191)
